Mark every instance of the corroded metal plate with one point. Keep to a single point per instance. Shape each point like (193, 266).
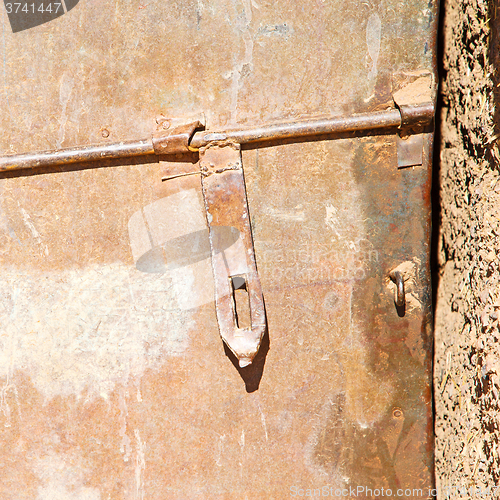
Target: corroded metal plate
(116, 384)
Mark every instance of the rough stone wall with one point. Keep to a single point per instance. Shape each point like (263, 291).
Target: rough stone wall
(467, 348)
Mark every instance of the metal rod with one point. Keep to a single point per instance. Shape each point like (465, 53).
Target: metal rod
(309, 128)
(299, 129)
(76, 155)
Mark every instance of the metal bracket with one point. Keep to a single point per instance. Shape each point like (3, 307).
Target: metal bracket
(415, 103)
(175, 140)
(234, 267)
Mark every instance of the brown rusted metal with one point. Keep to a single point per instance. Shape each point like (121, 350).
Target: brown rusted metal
(416, 116)
(176, 140)
(184, 139)
(415, 101)
(399, 293)
(410, 150)
(226, 205)
(114, 382)
(305, 129)
(69, 156)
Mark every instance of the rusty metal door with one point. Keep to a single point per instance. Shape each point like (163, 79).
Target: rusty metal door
(280, 200)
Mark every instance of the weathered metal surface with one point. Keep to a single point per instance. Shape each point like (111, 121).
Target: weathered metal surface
(115, 381)
(226, 204)
(68, 156)
(415, 92)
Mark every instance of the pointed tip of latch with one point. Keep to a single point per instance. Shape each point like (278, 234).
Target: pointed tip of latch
(244, 362)
(245, 348)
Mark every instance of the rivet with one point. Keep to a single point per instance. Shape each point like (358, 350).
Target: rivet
(163, 122)
(397, 413)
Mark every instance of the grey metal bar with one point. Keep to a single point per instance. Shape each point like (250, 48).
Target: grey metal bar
(300, 129)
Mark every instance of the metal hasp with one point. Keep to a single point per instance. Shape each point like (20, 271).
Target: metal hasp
(176, 140)
(410, 99)
(225, 195)
(226, 206)
(224, 188)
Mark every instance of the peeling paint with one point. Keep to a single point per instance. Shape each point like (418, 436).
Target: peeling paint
(63, 478)
(129, 322)
(244, 66)
(373, 36)
(140, 465)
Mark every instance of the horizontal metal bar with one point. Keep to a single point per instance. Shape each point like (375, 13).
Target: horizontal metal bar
(298, 129)
(76, 155)
(302, 129)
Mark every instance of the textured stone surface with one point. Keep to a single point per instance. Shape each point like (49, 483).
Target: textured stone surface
(467, 369)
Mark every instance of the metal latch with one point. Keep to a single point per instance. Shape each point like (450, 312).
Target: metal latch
(188, 138)
(234, 268)
(223, 185)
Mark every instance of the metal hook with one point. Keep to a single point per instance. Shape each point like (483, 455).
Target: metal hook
(399, 294)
